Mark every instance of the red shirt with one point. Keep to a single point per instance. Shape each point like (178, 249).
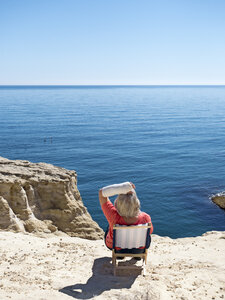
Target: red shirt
(113, 218)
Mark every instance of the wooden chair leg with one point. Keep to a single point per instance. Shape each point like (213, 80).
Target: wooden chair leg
(113, 257)
(144, 271)
(146, 254)
(114, 262)
(114, 271)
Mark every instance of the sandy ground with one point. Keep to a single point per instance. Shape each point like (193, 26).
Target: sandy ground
(61, 267)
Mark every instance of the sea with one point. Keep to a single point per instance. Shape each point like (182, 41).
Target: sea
(168, 140)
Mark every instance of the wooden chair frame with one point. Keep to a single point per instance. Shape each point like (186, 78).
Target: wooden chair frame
(143, 255)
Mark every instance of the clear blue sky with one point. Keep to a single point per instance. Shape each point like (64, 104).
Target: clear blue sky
(112, 42)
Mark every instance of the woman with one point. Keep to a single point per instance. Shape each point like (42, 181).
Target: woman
(125, 211)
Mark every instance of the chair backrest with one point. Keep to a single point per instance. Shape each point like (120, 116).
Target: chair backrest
(132, 236)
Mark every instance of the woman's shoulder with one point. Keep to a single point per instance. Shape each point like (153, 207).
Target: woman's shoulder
(144, 217)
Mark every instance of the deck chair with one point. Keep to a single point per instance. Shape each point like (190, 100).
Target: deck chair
(127, 241)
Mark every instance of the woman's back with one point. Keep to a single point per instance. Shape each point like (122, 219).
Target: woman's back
(113, 218)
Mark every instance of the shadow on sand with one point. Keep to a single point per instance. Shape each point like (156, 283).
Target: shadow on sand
(101, 280)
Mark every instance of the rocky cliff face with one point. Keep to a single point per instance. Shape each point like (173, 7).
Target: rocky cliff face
(42, 198)
(219, 199)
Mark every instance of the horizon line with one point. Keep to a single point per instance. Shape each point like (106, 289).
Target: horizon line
(102, 85)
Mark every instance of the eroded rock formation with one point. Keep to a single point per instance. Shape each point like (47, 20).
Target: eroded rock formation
(219, 199)
(42, 198)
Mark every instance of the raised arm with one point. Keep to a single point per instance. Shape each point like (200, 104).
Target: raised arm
(102, 199)
(114, 189)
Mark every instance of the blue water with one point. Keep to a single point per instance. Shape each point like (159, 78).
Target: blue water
(169, 141)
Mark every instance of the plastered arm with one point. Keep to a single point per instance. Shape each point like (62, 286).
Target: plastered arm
(116, 189)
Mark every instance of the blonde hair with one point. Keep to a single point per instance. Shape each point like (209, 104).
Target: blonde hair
(127, 205)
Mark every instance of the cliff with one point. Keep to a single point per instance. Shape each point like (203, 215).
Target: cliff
(219, 199)
(42, 198)
(63, 268)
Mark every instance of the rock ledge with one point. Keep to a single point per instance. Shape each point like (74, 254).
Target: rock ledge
(219, 199)
(42, 198)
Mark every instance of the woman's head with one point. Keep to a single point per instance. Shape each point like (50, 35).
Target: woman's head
(127, 205)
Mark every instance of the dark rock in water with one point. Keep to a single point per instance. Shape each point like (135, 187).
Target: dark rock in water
(219, 199)
(42, 198)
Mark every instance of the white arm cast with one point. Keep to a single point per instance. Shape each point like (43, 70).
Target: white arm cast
(116, 189)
